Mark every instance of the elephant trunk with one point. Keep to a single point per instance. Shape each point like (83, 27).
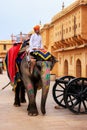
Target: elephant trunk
(45, 87)
(43, 102)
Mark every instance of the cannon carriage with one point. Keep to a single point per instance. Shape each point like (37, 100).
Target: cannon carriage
(70, 92)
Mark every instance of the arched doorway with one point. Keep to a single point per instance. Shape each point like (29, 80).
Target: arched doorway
(65, 67)
(78, 68)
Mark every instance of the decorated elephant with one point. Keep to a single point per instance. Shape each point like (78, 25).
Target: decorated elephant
(39, 78)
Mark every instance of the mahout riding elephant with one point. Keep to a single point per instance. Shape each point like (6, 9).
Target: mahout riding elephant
(38, 79)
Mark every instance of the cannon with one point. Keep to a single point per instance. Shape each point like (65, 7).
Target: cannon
(71, 92)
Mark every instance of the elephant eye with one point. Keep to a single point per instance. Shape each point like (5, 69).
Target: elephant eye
(39, 67)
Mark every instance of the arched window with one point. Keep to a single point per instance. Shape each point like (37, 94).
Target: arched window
(78, 68)
(65, 67)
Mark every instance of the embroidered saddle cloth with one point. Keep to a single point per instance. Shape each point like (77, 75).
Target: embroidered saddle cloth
(42, 54)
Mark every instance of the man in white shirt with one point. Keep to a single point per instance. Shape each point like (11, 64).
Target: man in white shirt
(35, 44)
(35, 40)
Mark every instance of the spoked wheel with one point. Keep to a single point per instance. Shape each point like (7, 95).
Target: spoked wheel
(59, 90)
(67, 78)
(76, 95)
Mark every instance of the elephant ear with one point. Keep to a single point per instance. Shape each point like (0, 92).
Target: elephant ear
(53, 60)
(6, 63)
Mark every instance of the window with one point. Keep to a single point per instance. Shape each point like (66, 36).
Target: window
(79, 24)
(69, 29)
(71, 59)
(66, 30)
(4, 47)
(60, 60)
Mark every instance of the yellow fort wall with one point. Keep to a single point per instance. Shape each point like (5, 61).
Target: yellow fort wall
(66, 38)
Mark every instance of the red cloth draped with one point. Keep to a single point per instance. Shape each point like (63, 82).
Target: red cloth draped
(12, 55)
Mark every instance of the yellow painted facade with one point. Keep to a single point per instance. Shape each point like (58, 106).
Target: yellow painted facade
(5, 45)
(66, 38)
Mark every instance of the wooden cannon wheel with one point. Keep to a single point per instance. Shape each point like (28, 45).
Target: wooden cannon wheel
(76, 95)
(58, 90)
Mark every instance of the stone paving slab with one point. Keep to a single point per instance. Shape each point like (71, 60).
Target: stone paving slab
(14, 118)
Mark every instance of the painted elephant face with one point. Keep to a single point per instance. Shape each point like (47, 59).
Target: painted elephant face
(44, 72)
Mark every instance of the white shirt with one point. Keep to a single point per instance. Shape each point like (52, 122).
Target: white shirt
(35, 42)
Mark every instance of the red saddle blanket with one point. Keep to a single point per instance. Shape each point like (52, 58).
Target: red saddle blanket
(11, 62)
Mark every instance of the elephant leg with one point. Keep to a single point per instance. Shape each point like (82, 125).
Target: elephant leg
(17, 93)
(22, 93)
(35, 90)
(32, 108)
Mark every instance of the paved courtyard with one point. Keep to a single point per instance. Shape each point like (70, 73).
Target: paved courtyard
(14, 118)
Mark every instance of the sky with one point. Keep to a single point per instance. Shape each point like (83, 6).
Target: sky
(22, 15)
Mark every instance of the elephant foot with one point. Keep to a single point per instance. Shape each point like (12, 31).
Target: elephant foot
(32, 110)
(43, 110)
(17, 104)
(32, 113)
(23, 100)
